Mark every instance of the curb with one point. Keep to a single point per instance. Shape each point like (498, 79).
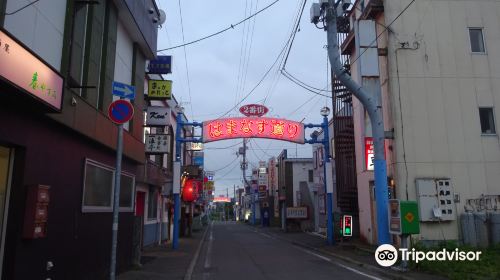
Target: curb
(192, 264)
(346, 259)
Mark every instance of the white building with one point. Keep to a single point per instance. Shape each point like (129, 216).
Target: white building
(438, 70)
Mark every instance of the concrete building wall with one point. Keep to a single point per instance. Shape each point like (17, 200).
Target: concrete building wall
(40, 27)
(440, 84)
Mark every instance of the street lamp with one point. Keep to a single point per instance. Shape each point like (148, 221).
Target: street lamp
(325, 111)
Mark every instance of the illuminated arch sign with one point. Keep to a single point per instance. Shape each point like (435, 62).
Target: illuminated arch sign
(253, 127)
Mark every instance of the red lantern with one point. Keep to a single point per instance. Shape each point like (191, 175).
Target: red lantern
(190, 190)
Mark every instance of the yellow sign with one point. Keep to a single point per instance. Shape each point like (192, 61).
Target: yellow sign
(160, 89)
(209, 186)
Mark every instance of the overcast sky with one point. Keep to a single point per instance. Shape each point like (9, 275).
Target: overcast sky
(224, 68)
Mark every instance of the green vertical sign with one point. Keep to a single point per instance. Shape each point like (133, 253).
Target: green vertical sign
(410, 221)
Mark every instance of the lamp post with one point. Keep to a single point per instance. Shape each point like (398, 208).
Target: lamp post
(325, 111)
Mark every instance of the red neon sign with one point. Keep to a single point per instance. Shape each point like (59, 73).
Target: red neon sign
(252, 127)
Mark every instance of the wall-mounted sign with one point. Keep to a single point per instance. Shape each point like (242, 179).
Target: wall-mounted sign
(120, 111)
(369, 153)
(161, 65)
(246, 127)
(157, 143)
(296, 213)
(254, 110)
(23, 69)
(159, 89)
(196, 146)
(158, 116)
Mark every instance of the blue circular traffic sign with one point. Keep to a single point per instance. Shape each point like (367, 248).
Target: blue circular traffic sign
(120, 111)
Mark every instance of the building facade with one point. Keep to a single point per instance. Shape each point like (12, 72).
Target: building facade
(58, 144)
(436, 69)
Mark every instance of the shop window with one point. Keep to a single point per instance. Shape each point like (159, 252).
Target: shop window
(127, 191)
(487, 119)
(98, 188)
(476, 40)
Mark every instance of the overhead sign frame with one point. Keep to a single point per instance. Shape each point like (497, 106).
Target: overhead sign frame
(253, 127)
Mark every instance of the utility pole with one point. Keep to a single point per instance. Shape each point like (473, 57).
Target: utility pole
(372, 103)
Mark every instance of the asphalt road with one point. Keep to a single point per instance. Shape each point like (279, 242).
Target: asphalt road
(237, 251)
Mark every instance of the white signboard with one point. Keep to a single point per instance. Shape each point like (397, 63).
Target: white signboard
(196, 146)
(157, 143)
(296, 212)
(158, 116)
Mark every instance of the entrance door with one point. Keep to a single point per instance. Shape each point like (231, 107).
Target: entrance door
(140, 201)
(5, 171)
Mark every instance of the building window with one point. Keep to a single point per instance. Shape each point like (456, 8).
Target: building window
(152, 203)
(79, 35)
(476, 40)
(311, 178)
(98, 187)
(127, 183)
(487, 120)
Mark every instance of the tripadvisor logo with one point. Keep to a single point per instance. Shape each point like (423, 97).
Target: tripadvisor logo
(387, 255)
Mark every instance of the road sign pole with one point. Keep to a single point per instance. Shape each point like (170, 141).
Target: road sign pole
(116, 202)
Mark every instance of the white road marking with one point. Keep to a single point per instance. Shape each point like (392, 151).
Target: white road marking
(189, 273)
(341, 265)
(208, 257)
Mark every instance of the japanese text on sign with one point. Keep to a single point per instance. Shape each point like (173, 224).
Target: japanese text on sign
(254, 110)
(157, 143)
(160, 89)
(272, 128)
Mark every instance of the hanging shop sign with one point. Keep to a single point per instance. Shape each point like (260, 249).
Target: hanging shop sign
(254, 110)
(370, 154)
(158, 116)
(222, 199)
(196, 146)
(157, 143)
(252, 127)
(159, 89)
(161, 65)
(26, 71)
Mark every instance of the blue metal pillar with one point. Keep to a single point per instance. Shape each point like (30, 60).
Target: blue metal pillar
(382, 199)
(329, 194)
(177, 199)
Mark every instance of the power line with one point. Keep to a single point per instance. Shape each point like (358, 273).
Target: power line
(386, 28)
(294, 33)
(22, 8)
(226, 165)
(232, 26)
(301, 85)
(185, 60)
(257, 85)
(223, 148)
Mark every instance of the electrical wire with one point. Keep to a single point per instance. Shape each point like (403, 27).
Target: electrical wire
(306, 85)
(238, 79)
(223, 148)
(302, 86)
(232, 26)
(257, 85)
(402, 125)
(22, 8)
(225, 166)
(294, 33)
(185, 60)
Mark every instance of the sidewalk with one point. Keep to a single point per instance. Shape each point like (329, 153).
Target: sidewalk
(162, 262)
(350, 252)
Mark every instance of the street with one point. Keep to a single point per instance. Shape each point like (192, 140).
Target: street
(237, 251)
